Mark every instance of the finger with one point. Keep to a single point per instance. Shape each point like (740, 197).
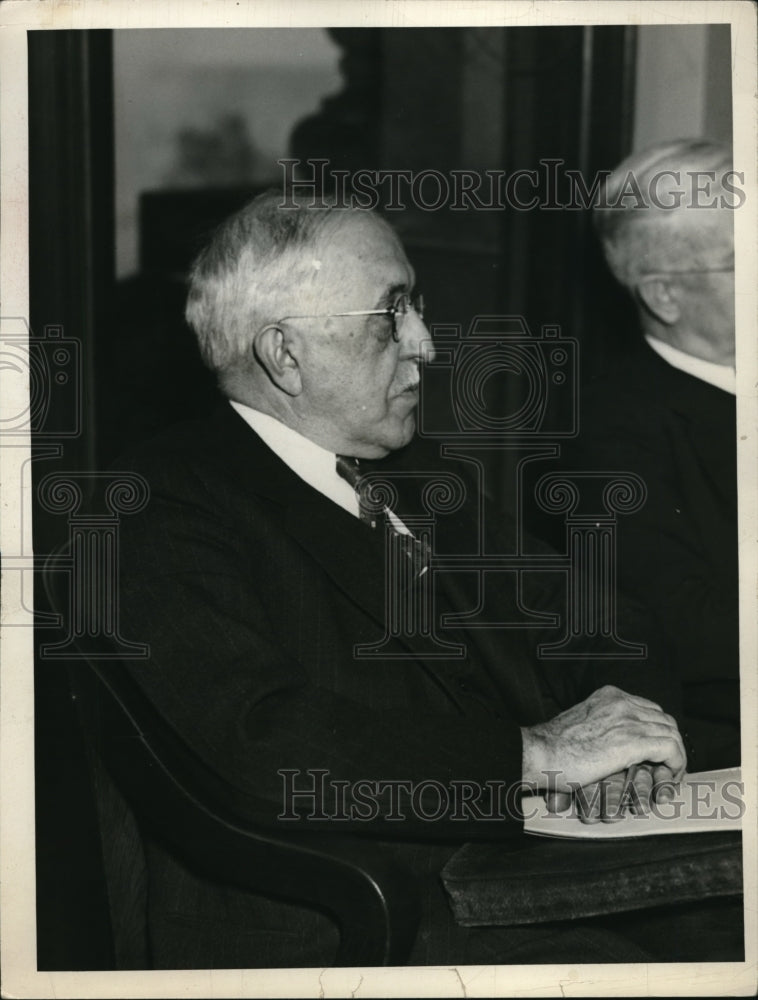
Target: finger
(664, 786)
(612, 800)
(588, 802)
(658, 744)
(639, 789)
(672, 754)
(652, 716)
(638, 718)
(557, 801)
(601, 801)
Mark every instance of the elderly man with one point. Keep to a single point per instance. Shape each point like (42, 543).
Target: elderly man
(666, 410)
(252, 575)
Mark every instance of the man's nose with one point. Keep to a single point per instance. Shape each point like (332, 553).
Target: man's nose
(415, 338)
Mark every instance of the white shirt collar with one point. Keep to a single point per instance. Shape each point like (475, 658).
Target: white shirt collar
(722, 376)
(309, 461)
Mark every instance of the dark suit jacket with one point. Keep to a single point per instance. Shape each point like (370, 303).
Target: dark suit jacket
(252, 590)
(678, 554)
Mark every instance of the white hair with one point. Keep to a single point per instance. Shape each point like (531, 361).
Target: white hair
(650, 215)
(248, 272)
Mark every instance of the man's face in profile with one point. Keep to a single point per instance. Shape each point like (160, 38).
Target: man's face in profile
(359, 383)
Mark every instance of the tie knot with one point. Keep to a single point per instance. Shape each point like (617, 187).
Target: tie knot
(349, 469)
(417, 551)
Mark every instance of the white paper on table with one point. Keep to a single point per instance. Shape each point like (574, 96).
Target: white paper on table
(708, 801)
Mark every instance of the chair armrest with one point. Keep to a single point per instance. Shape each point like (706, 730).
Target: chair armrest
(182, 803)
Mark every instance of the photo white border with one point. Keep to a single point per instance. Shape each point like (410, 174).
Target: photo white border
(17, 872)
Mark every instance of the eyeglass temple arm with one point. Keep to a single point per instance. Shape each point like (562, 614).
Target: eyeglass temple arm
(354, 312)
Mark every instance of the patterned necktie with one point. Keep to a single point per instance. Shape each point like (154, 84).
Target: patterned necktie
(349, 470)
(417, 551)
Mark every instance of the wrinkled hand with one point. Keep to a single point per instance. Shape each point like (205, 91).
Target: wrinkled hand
(604, 735)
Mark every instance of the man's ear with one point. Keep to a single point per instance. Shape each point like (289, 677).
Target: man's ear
(274, 352)
(660, 298)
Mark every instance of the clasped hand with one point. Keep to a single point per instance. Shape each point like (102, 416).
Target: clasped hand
(613, 751)
(612, 798)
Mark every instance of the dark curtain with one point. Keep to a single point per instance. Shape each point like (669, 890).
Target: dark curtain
(71, 281)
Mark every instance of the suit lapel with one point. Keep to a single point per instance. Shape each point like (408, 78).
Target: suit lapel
(349, 552)
(346, 549)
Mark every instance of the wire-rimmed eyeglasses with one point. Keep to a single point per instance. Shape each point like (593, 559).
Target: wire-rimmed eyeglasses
(400, 308)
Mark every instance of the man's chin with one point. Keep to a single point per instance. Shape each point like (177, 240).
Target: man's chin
(407, 431)
(401, 436)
